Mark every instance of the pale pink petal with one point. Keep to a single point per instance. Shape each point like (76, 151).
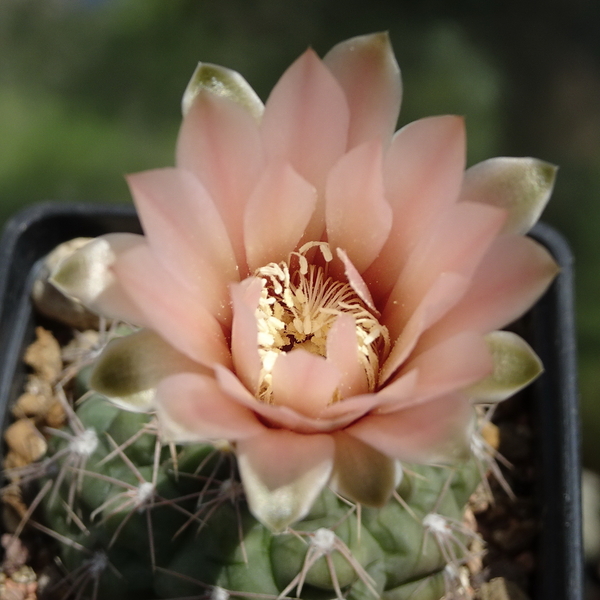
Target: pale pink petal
(277, 215)
(432, 431)
(342, 351)
(87, 276)
(187, 234)
(397, 393)
(304, 382)
(423, 173)
(450, 366)
(170, 309)
(514, 273)
(350, 409)
(220, 143)
(196, 410)
(244, 332)
(283, 473)
(455, 243)
(305, 123)
(441, 296)
(368, 72)
(335, 416)
(355, 280)
(358, 216)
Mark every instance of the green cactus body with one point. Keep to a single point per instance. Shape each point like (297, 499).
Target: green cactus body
(163, 527)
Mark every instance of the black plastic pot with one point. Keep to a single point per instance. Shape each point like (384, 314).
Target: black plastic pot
(549, 328)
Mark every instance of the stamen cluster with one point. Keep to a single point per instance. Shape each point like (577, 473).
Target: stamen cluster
(299, 304)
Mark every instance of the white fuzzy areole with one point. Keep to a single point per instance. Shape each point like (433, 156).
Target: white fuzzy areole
(85, 443)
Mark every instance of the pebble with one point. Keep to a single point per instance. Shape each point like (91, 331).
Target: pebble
(23, 438)
(43, 356)
(501, 589)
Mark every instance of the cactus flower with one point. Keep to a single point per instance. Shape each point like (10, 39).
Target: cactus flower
(322, 293)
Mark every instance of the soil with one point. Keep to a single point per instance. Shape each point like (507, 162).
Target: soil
(509, 525)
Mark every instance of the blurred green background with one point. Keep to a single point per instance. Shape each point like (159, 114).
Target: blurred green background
(90, 90)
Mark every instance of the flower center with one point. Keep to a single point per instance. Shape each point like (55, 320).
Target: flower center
(298, 306)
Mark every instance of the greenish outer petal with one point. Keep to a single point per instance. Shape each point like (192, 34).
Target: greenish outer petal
(283, 480)
(222, 82)
(130, 367)
(86, 274)
(522, 186)
(362, 473)
(516, 365)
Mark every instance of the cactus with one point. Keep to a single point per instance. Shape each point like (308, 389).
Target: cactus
(147, 521)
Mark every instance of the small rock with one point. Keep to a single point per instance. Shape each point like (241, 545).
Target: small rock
(13, 461)
(16, 590)
(82, 344)
(23, 438)
(55, 416)
(34, 405)
(501, 589)
(24, 575)
(43, 356)
(491, 434)
(15, 554)
(509, 570)
(13, 507)
(480, 499)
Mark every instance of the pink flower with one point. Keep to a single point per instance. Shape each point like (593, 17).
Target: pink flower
(320, 292)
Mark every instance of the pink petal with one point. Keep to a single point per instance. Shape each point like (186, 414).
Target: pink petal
(335, 416)
(220, 143)
(514, 273)
(441, 296)
(187, 235)
(450, 366)
(356, 282)
(283, 473)
(367, 70)
(350, 409)
(342, 351)
(199, 411)
(244, 333)
(358, 216)
(304, 382)
(431, 431)
(423, 173)
(170, 309)
(305, 123)
(455, 243)
(397, 393)
(277, 214)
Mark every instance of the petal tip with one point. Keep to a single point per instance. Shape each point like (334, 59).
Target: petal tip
(220, 81)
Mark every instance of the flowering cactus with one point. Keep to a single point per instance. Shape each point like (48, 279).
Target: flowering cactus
(318, 297)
